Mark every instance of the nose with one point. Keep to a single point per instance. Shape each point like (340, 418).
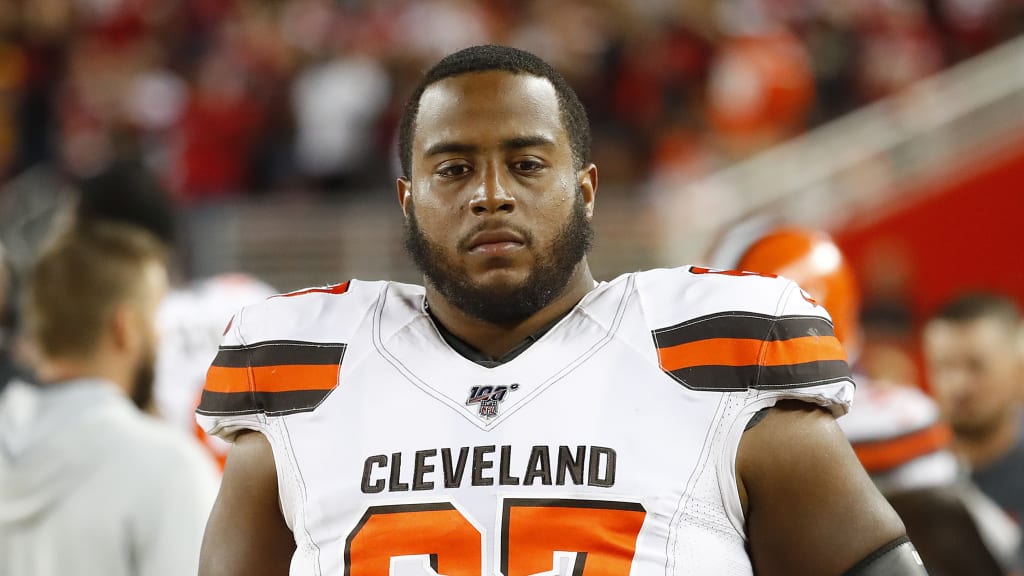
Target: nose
(955, 384)
(491, 195)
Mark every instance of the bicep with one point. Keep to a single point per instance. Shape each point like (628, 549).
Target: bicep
(810, 506)
(246, 533)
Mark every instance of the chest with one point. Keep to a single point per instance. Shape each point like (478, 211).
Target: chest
(573, 448)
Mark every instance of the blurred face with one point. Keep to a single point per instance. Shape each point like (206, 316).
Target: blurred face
(153, 287)
(974, 369)
(497, 217)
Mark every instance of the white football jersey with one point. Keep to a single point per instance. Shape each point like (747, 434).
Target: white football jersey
(606, 448)
(899, 437)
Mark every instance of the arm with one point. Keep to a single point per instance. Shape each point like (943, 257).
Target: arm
(246, 533)
(809, 505)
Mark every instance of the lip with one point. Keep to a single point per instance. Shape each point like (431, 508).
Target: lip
(495, 242)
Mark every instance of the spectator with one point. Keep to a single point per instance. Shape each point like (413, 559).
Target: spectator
(88, 483)
(973, 359)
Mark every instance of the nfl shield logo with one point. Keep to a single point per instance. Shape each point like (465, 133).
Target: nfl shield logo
(489, 408)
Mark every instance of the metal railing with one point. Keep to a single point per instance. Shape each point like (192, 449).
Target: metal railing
(866, 161)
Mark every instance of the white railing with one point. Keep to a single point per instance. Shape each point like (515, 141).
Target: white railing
(863, 162)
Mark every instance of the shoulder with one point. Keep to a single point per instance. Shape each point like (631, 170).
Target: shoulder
(730, 331)
(323, 313)
(675, 295)
(284, 355)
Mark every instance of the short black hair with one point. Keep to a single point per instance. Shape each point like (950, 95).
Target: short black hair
(127, 192)
(972, 306)
(488, 58)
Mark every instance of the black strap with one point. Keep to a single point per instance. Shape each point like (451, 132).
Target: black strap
(897, 558)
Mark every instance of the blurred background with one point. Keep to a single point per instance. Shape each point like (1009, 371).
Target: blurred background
(896, 125)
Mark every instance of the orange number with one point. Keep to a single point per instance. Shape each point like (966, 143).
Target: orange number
(567, 537)
(602, 534)
(435, 530)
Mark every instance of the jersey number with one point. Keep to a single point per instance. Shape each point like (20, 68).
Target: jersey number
(554, 537)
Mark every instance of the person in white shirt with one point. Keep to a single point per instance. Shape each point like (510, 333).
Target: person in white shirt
(89, 483)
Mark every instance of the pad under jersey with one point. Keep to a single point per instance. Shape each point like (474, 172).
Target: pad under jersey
(606, 448)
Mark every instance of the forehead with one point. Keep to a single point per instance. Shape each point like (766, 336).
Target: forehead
(479, 108)
(985, 335)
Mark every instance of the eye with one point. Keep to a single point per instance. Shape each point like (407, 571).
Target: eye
(528, 166)
(453, 170)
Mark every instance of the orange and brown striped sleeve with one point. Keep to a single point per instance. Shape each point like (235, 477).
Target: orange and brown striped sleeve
(272, 377)
(885, 454)
(733, 351)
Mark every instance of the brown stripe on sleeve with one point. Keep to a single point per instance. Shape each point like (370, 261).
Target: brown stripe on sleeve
(738, 350)
(742, 325)
(272, 377)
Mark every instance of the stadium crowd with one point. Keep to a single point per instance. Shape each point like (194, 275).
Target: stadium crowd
(229, 97)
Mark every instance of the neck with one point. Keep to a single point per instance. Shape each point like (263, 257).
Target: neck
(60, 369)
(495, 340)
(983, 450)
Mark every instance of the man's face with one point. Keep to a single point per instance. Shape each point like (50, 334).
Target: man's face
(974, 369)
(152, 290)
(497, 216)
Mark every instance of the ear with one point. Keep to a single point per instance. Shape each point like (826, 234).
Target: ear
(404, 188)
(123, 327)
(588, 186)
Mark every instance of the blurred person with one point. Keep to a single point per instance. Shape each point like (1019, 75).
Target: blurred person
(9, 370)
(760, 91)
(973, 348)
(894, 428)
(337, 103)
(514, 415)
(190, 322)
(219, 130)
(89, 484)
(191, 317)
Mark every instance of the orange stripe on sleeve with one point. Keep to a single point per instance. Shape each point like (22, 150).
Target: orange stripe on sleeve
(744, 352)
(282, 378)
(220, 379)
(888, 454)
(801, 350)
(713, 352)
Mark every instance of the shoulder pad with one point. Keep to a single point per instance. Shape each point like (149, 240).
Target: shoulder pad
(729, 331)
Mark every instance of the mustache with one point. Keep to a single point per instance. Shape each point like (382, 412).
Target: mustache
(464, 242)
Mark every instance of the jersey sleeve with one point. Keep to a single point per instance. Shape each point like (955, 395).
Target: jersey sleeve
(800, 357)
(249, 381)
(759, 336)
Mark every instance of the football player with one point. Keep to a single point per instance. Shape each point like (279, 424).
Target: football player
(516, 416)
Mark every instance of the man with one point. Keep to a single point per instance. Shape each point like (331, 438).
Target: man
(516, 416)
(88, 483)
(895, 429)
(8, 370)
(973, 352)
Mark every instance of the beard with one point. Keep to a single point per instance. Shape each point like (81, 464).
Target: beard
(512, 303)
(142, 382)
(978, 428)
